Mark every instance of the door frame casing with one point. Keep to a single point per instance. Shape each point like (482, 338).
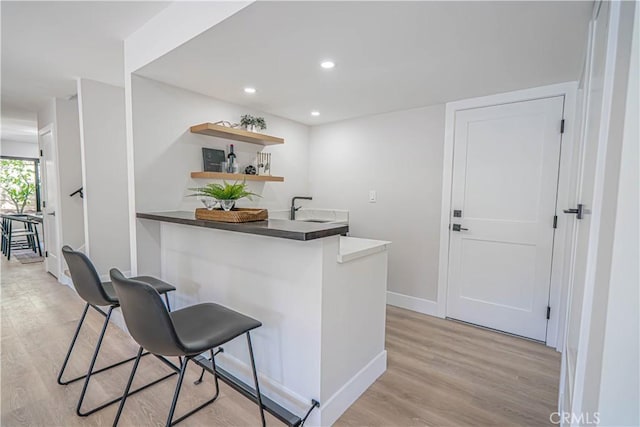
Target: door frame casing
(558, 288)
(50, 128)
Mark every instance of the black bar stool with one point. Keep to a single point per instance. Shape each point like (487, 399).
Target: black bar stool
(35, 239)
(87, 283)
(29, 233)
(185, 333)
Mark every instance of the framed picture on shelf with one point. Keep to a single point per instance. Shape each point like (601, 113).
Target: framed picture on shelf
(213, 159)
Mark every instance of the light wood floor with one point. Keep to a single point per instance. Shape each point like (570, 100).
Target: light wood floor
(440, 373)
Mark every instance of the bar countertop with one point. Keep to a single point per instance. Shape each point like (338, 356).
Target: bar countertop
(282, 228)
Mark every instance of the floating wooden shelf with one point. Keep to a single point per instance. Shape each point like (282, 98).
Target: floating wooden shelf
(235, 134)
(236, 176)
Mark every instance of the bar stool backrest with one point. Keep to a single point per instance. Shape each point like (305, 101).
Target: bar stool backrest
(146, 316)
(85, 277)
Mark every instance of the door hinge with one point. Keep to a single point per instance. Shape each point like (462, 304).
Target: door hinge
(41, 153)
(555, 221)
(44, 204)
(562, 126)
(46, 253)
(548, 312)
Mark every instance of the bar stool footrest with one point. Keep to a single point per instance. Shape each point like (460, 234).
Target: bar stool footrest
(106, 368)
(247, 391)
(118, 399)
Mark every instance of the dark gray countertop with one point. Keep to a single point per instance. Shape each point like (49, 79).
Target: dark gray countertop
(282, 228)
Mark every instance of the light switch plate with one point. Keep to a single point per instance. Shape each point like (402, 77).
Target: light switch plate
(373, 196)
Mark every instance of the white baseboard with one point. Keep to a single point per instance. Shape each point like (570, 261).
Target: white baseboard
(329, 411)
(65, 280)
(420, 305)
(337, 404)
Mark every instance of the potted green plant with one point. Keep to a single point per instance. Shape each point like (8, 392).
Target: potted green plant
(260, 123)
(226, 194)
(251, 123)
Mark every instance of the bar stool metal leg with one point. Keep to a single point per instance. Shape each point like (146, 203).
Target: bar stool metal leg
(199, 380)
(35, 229)
(215, 373)
(183, 368)
(30, 239)
(91, 365)
(208, 402)
(71, 347)
(127, 388)
(4, 234)
(73, 343)
(255, 379)
(91, 372)
(9, 240)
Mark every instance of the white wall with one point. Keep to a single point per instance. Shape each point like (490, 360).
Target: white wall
(63, 115)
(19, 149)
(165, 153)
(47, 114)
(70, 171)
(620, 381)
(399, 155)
(104, 170)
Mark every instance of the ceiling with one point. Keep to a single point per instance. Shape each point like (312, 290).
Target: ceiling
(389, 55)
(47, 45)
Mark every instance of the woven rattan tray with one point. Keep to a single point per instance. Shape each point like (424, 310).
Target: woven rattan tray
(234, 215)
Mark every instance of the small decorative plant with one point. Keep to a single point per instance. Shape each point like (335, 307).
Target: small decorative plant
(226, 194)
(252, 123)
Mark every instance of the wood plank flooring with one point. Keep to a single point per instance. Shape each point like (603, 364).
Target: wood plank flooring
(440, 373)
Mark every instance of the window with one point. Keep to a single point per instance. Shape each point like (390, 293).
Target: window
(19, 185)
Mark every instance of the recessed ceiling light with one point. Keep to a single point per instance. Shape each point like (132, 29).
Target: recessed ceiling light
(315, 113)
(327, 65)
(250, 90)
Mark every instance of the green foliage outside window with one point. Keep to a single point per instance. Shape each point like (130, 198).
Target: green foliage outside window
(17, 182)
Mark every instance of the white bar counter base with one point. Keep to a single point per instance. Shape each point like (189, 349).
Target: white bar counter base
(321, 303)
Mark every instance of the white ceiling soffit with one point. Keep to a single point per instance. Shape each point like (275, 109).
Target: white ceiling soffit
(18, 125)
(389, 55)
(47, 45)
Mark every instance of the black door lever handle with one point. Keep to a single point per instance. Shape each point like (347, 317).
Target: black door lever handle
(579, 212)
(458, 227)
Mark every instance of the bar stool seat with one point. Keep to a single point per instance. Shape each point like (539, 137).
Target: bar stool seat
(193, 326)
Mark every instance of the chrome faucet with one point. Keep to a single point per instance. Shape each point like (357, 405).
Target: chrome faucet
(295, 208)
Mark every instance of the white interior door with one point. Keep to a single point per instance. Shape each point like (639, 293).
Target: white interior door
(50, 197)
(504, 183)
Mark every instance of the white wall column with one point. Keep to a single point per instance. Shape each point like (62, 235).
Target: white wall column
(104, 175)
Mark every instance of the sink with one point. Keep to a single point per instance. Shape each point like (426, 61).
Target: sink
(318, 216)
